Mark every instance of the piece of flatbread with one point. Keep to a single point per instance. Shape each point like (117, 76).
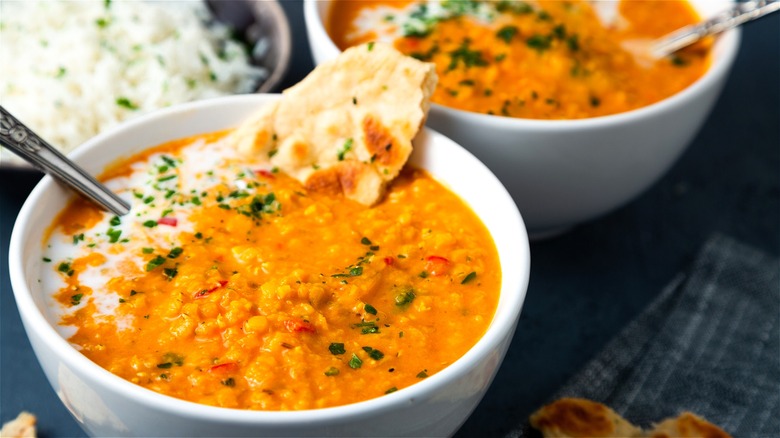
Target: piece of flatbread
(576, 417)
(687, 425)
(21, 426)
(348, 126)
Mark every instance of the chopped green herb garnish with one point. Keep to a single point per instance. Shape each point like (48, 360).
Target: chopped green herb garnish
(463, 55)
(229, 382)
(147, 250)
(391, 390)
(198, 235)
(115, 221)
(365, 241)
(336, 348)
(369, 309)
(677, 61)
(101, 22)
(170, 273)
(175, 252)
(356, 271)
(76, 299)
(370, 46)
(538, 42)
(468, 278)
(148, 199)
(355, 362)
(332, 371)
(559, 31)
(506, 33)
(126, 103)
(150, 223)
(166, 178)
(422, 374)
(405, 298)
(344, 149)
(169, 161)
(164, 365)
(423, 274)
(78, 238)
(113, 235)
(595, 101)
(47, 260)
(154, 263)
(573, 42)
(374, 354)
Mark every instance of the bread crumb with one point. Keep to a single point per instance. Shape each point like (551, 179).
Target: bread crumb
(21, 426)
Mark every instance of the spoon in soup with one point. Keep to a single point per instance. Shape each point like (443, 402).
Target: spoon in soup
(647, 51)
(22, 141)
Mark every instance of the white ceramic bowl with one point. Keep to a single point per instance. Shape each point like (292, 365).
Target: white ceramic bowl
(106, 405)
(563, 172)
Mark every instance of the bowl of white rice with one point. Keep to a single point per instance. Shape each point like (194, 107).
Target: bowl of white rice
(71, 69)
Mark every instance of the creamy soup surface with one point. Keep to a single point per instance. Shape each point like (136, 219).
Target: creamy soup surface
(231, 285)
(545, 59)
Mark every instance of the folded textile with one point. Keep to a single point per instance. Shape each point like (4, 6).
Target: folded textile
(709, 343)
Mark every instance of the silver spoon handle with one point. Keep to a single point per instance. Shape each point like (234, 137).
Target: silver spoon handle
(736, 15)
(21, 140)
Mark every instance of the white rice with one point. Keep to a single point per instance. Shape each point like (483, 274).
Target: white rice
(70, 69)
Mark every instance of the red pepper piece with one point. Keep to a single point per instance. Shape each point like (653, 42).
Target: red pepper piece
(170, 221)
(437, 265)
(299, 325)
(389, 261)
(265, 173)
(206, 292)
(227, 367)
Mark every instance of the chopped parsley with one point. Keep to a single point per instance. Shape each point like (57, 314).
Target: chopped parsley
(113, 235)
(355, 362)
(373, 353)
(365, 241)
(78, 238)
(65, 268)
(115, 221)
(422, 374)
(369, 309)
(465, 56)
(126, 103)
(337, 348)
(175, 252)
(370, 46)
(229, 382)
(344, 149)
(170, 273)
(147, 250)
(506, 33)
(391, 390)
(469, 278)
(538, 42)
(332, 371)
(405, 298)
(155, 263)
(76, 299)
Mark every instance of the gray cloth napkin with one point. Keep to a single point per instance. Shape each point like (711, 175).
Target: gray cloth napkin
(710, 344)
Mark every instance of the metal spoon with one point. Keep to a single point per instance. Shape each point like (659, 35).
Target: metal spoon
(736, 15)
(22, 141)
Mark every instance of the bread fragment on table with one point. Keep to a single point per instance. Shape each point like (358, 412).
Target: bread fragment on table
(577, 417)
(687, 425)
(22, 426)
(348, 126)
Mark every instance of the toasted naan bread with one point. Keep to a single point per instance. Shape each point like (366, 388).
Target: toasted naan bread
(687, 425)
(348, 126)
(576, 417)
(21, 426)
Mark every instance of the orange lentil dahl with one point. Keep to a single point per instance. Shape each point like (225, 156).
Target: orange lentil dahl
(231, 285)
(547, 59)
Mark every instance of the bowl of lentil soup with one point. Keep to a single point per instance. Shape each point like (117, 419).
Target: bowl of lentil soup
(55, 288)
(547, 94)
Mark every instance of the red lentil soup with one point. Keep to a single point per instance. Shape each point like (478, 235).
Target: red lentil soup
(547, 59)
(231, 285)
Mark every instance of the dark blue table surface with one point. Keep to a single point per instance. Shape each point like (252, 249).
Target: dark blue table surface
(585, 285)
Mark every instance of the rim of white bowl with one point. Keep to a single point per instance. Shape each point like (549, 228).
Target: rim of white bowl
(728, 44)
(516, 288)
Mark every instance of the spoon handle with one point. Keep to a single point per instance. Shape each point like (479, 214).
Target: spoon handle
(22, 141)
(736, 15)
